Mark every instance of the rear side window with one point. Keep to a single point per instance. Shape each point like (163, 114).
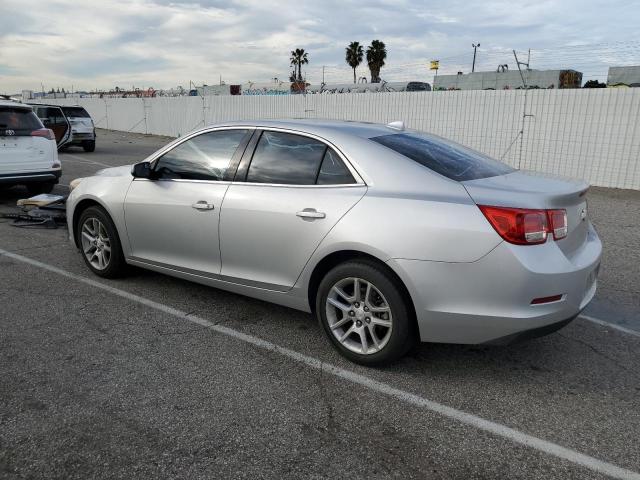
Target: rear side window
(333, 171)
(205, 157)
(444, 157)
(21, 121)
(75, 112)
(286, 158)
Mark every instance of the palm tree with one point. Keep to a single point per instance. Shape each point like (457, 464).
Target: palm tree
(298, 58)
(353, 56)
(376, 55)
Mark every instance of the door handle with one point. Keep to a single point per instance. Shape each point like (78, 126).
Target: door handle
(203, 205)
(310, 213)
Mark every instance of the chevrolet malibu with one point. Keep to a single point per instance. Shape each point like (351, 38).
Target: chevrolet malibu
(389, 236)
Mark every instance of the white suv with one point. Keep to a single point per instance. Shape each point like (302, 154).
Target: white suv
(28, 151)
(83, 132)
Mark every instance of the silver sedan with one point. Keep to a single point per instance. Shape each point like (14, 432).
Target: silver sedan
(389, 236)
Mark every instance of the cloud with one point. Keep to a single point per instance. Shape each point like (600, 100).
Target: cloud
(164, 43)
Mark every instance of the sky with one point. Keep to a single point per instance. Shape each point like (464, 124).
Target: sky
(162, 44)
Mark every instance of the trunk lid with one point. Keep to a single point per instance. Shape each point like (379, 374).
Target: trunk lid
(537, 191)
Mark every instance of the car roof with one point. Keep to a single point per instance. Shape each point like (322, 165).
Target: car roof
(328, 129)
(11, 103)
(46, 105)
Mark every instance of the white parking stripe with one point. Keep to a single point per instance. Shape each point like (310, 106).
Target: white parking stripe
(466, 418)
(611, 325)
(68, 156)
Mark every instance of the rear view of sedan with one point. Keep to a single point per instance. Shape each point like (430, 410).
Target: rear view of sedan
(389, 236)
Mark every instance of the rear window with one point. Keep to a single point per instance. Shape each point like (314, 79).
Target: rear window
(447, 158)
(20, 120)
(75, 112)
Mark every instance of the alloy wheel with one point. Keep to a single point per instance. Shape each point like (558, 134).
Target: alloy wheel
(96, 244)
(359, 316)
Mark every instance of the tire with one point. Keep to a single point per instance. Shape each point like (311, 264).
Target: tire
(89, 145)
(96, 232)
(392, 327)
(38, 188)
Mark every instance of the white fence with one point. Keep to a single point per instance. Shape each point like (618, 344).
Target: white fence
(591, 134)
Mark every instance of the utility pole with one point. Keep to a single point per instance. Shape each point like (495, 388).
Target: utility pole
(322, 73)
(518, 63)
(475, 47)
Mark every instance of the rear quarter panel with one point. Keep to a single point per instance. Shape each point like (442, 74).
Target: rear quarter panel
(443, 229)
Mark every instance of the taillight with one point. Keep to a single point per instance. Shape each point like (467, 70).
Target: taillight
(44, 133)
(558, 223)
(521, 226)
(524, 226)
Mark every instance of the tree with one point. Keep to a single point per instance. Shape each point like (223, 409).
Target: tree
(376, 55)
(298, 58)
(594, 84)
(353, 56)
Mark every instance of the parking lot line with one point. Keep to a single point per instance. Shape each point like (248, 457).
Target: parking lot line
(69, 156)
(610, 325)
(477, 422)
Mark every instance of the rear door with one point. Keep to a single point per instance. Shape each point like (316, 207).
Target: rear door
(55, 119)
(285, 199)
(20, 151)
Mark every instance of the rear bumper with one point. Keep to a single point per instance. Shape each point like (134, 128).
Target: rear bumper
(47, 176)
(79, 137)
(489, 300)
(533, 333)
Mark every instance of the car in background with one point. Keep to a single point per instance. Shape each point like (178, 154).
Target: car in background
(28, 153)
(54, 118)
(390, 236)
(83, 131)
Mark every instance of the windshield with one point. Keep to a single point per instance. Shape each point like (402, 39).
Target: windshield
(447, 158)
(75, 112)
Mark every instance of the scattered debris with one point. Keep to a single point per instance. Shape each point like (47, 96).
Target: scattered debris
(41, 200)
(41, 211)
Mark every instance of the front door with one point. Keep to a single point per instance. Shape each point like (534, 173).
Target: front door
(172, 219)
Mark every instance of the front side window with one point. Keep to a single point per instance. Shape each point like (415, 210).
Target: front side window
(205, 157)
(286, 158)
(447, 158)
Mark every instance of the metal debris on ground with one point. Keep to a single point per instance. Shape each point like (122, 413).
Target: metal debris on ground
(41, 211)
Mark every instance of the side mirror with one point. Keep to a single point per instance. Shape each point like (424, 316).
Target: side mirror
(142, 170)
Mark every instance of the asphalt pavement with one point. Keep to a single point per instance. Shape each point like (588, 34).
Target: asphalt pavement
(155, 377)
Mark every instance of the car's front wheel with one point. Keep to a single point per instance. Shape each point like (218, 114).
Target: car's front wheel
(99, 243)
(364, 313)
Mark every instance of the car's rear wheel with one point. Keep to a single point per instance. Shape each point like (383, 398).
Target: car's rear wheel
(99, 243)
(364, 313)
(38, 188)
(89, 145)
